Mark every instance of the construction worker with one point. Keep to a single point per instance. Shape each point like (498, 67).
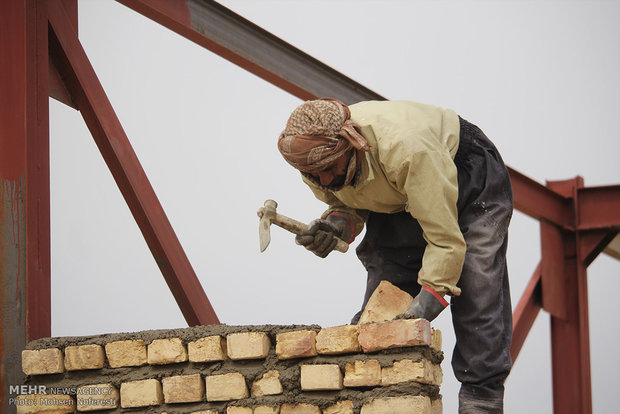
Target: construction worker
(436, 200)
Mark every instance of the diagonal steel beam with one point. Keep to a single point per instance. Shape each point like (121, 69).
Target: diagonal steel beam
(525, 313)
(84, 86)
(240, 41)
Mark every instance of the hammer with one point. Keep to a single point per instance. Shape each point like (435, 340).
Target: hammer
(268, 215)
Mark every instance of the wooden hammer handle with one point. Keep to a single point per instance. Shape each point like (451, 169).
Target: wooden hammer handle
(297, 227)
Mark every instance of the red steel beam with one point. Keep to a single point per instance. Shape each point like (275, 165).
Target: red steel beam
(24, 186)
(570, 336)
(599, 207)
(123, 163)
(554, 295)
(245, 44)
(594, 242)
(525, 313)
(540, 202)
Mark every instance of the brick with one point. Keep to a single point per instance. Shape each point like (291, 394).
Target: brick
(437, 375)
(264, 409)
(45, 403)
(394, 334)
(385, 303)
(141, 393)
(183, 388)
(406, 370)
(398, 405)
(323, 377)
(436, 340)
(42, 361)
(239, 410)
(226, 387)
(362, 374)
(269, 384)
(97, 397)
(208, 349)
(129, 353)
(342, 407)
(338, 340)
(166, 351)
(248, 345)
(301, 408)
(296, 344)
(437, 406)
(84, 357)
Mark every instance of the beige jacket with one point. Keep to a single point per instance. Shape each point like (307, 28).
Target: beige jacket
(409, 167)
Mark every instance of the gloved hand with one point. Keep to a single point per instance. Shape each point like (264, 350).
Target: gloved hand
(320, 236)
(426, 305)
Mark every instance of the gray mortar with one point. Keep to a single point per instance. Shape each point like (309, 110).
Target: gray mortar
(251, 369)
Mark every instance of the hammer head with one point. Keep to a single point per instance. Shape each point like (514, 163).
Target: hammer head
(266, 214)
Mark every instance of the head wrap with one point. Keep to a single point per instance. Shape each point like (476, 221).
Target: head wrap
(318, 133)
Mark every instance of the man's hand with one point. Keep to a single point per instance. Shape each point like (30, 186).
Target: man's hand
(320, 236)
(426, 305)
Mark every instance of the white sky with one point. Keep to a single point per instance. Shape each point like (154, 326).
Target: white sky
(539, 77)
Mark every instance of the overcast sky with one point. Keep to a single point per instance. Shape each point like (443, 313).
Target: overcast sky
(539, 77)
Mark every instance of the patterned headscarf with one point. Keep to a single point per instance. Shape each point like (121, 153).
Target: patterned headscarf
(320, 132)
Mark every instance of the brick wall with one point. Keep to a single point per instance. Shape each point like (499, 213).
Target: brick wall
(389, 367)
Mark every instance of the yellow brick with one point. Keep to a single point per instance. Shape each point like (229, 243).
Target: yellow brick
(166, 351)
(407, 370)
(208, 349)
(385, 303)
(362, 374)
(97, 397)
(239, 410)
(42, 361)
(45, 403)
(84, 357)
(141, 393)
(226, 387)
(342, 407)
(394, 334)
(269, 384)
(437, 375)
(129, 353)
(338, 340)
(324, 377)
(296, 344)
(436, 339)
(247, 345)
(183, 388)
(301, 408)
(264, 409)
(398, 405)
(437, 406)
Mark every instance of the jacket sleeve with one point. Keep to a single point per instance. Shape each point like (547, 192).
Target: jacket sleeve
(356, 217)
(429, 179)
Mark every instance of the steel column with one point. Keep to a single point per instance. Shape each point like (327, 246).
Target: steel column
(82, 82)
(570, 337)
(24, 185)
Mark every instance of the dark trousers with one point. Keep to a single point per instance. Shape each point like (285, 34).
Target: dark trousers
(393, 247)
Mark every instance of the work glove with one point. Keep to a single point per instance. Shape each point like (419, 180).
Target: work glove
(426, 305)
(320, 236)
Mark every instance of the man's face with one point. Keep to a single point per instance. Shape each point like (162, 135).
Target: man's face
(335, 174)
